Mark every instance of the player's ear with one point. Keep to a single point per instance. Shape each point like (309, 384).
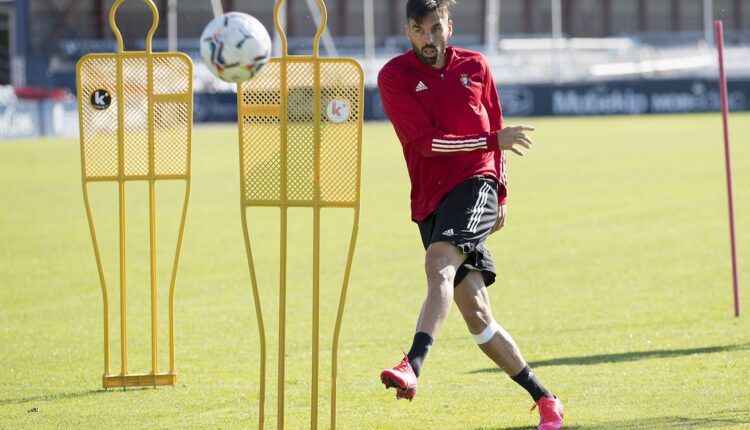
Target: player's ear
(407, 31)
(450, 27)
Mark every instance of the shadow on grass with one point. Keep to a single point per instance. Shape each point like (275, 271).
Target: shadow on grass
(714, 420)
(62, 396)
(626, 356)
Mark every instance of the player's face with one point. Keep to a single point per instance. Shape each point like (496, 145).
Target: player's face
(430, 37)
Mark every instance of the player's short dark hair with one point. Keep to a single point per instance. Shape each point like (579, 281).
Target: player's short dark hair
(418, 9)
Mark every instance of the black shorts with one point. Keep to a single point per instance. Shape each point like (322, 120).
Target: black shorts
(465, 217)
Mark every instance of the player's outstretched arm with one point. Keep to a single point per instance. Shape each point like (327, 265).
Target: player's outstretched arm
(510, 138)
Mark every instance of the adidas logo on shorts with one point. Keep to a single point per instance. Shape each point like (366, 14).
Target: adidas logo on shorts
(448, 232)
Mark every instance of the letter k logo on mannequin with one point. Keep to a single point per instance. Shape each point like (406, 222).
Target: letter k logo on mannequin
(338, 111)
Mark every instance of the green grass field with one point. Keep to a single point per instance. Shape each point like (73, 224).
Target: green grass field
(614, 279)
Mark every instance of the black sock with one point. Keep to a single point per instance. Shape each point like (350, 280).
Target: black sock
(528, 381)
(419, 349)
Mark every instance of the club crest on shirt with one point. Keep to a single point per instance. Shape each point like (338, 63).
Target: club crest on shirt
(465, 80)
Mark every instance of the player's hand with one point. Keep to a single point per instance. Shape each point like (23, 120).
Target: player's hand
(510, 138)
(502, 210)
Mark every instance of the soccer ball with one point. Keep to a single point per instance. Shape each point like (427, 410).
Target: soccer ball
(235, 46)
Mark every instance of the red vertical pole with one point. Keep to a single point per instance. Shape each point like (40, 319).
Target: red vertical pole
(719, 33)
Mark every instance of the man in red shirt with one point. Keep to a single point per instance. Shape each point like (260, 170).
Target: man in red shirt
(444, 106)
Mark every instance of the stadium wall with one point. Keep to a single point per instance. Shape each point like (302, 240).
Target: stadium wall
(29, 119)
(600, 98)
(607, 98)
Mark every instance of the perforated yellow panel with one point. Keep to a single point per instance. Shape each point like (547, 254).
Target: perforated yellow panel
(170, 74)
(166, 113)
(274, 134)
(99, 127)
(261, 137)
(339, 158)
(171, 139)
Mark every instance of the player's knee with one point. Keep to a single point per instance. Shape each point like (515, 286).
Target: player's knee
(440, 293)
(440, 283)
(476, 315)
(476, 320)
(438, 267)
(440, 275)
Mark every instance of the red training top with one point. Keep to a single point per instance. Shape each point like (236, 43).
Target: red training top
(446, 120)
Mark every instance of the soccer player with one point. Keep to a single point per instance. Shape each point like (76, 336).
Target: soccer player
(444, 107)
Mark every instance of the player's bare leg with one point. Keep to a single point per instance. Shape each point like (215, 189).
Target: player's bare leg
(441, 262)
(474, 303)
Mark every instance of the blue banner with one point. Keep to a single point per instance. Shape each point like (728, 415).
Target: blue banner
(20, 120)
(606, 98)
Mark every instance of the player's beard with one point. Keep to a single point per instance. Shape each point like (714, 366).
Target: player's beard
(430, 61)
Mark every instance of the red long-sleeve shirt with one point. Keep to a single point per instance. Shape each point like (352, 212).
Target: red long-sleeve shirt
(446, 120)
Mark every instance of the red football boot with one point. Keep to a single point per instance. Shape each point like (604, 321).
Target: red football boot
(402, 378)
(550, 413)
